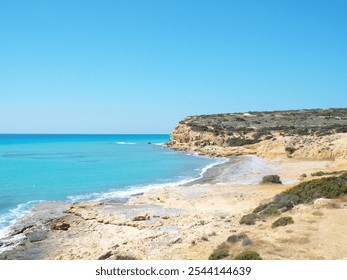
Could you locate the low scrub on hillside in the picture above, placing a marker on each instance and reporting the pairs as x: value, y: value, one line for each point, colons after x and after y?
x: 283, y: 221
x: 306, y: 192
x: 248, y: 255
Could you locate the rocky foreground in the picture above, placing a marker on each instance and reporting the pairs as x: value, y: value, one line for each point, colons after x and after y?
x: 215, y: 218
x: 310, y: 134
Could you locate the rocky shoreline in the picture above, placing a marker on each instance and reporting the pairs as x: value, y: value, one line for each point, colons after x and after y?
x: 192, y: 221
x: 186, y: 222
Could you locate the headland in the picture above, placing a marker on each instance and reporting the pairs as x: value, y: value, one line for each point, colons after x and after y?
x: 226, y: 212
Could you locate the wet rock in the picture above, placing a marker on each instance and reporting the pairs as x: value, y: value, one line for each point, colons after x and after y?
x: 40, y: 215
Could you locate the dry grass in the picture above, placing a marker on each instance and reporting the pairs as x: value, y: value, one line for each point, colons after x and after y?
x: 294, y: 240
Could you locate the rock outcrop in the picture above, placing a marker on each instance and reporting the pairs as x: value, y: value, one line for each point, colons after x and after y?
x: 311, y: 134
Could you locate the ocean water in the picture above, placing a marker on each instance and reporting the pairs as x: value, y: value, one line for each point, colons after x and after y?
x: 37, y: 168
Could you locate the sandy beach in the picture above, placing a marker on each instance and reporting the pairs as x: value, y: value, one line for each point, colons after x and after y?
x: 187, y: 222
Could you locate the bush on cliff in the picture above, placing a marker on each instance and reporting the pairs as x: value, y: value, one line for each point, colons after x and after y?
x: 219, y: 254
x: 236, y: 142
x: 290, y: 150
x: 271, y: 179
x: 283, y: 221
x: 249, y: 219
x: 330, y: 187
x: 322, y: 173
x: 237, y: 237
x: 306, y: 192
x: 248, y: 255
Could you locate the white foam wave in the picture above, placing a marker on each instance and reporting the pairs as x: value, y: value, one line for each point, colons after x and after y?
x: 207, y: 167
x: 158, y: 144
x: 8, y: 219
x: 125, y: 143
x: 133, y: 190
x: 123, y: 194
x: 13, y: 242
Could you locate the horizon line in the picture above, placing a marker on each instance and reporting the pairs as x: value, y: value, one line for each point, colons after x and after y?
x: 40, y: 133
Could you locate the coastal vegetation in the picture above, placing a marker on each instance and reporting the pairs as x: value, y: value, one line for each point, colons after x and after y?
x: 241, y: 129
x: 249, y: 219
x: 322, y: 173
x: 223, y: 250
x: 125, y: 257
x: 237, y: 237
x: 306, y: 192
x: 283, y: 221
x: 310, y: 134
x: 290, y: 150
x: 219, y: 254
x: 248, y: 255
x: 271, y: 179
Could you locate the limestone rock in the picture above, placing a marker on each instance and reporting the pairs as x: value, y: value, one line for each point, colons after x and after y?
x: 326, y: 203
x: 36, y: 236
x: 105, y: 256
x: 60, y: 226
x: 309, y: 134
x: 140, y: 218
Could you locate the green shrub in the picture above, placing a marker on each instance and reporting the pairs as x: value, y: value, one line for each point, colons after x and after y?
x: 306, y: 192
x: 236, y: 142
x: 283, y: 221
x: 219, y: 254
x: 330, y: 187
x: 124, y: 257
x: 248, y: 255
x: 290, y: 150
x: 285, y: 200
x: 236, y: 237
x: 246, y: 242
x: 223, y: 246
x: 271, y: 179
x: 270, y: 210
x: 322, y: 173
x: 319, y: 173
x: 249, y: 219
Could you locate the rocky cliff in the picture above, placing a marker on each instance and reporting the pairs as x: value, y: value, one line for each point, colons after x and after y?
x: 311, y: 134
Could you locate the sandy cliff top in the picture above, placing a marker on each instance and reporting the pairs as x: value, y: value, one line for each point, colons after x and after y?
x: 309, y: 134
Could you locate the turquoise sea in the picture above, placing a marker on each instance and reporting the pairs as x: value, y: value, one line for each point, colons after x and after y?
x: 37, y: 168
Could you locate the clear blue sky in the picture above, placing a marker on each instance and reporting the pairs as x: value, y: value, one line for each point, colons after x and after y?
x: 113, y: 66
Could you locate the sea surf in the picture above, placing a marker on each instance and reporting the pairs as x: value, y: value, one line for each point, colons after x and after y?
x: 73, y: 168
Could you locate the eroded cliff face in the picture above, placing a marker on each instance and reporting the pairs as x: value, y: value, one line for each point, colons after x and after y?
x: 308, y: 134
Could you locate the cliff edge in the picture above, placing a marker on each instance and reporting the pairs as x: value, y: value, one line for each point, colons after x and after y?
x: 305, y: 134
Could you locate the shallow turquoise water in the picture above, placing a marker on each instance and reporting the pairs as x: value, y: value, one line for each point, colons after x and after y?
x: 36, y: 168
